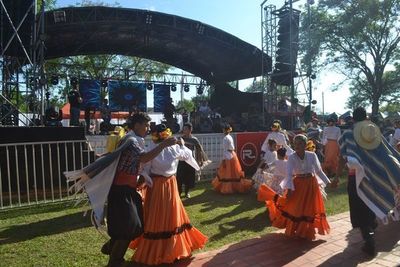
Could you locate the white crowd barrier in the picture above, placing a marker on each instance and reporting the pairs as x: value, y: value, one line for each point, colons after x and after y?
x: 212, y: 144
x: 32, y: 173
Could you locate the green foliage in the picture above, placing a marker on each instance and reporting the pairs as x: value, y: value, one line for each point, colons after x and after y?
x: 49, y: 4
x: 390, y: 107
x: 255, y: 87
x: 359, y: 38
x: 58, y: 234
x: 186, y: 104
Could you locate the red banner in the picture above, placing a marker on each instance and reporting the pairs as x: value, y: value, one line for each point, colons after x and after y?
x: 249, y: 148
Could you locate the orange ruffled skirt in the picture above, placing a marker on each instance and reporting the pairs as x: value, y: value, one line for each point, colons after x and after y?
x: 331, y: 160
x: 230, y: 177
x: 168, y: 234
x: 302, y: 214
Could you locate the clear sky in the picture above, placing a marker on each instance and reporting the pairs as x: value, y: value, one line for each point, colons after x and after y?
x: 241, y: 18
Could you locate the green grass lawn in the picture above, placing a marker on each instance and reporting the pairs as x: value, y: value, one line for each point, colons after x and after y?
x: 59, y: 235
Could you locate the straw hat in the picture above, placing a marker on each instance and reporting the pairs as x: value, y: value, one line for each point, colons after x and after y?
x: 367, y: 134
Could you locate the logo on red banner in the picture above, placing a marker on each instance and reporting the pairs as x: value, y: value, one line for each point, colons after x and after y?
x: 249, y: 154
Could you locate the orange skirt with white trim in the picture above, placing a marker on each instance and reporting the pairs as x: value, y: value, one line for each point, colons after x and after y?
x: 302, y: 214
x: 168, y: 234
x: 331, y: 159
x: 230, y: 177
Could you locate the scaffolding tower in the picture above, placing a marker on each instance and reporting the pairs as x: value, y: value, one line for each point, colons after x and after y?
x: 276, y: 98
x: 22, y: 52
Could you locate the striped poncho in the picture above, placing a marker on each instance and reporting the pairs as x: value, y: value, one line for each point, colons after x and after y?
x: 377, y: 175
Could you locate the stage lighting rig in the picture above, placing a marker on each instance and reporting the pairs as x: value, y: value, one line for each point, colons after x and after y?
x: 54, y: 79
x: 186, y: 88
x: 104, y: 83
x: 173, y: 87
x: 200, y: 89
x: 74, y: 82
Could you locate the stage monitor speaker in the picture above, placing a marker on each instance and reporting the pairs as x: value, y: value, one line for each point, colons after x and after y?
x: 16, y: 10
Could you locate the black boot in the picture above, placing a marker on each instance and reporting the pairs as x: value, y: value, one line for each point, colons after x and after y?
x: 117, y: 253
x: 107, y: 247
x: 369, y: 244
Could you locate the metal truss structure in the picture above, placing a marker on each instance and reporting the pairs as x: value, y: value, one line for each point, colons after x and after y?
x: 14, y: 64
x: 299, y: 93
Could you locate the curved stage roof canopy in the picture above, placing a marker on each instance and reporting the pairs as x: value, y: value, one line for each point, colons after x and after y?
x: 203, y: 50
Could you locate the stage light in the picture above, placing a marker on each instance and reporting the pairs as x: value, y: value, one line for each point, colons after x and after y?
x: 54, y: 79
x: 173, y: 87
x: 74, y: 81
x: 149, y: 86
x: 149, y: 18
x: 200, y: 89
x: 104, y: 83
x: 186, y: 88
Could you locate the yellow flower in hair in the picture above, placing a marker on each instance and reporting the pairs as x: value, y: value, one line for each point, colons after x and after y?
x: 160, y: 136
x: 165, y: 134
x: 310, y: 146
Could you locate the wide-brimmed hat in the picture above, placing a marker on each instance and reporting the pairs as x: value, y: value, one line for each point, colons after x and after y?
x: 367, y: 134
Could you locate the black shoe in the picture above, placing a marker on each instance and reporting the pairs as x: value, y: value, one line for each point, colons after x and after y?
x: 369, y: 247
x: 106, y: 248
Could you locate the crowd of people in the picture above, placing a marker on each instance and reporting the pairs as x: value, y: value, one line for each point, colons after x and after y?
x: 143, y: 186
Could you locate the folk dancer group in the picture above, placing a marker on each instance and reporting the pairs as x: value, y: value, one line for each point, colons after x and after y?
x: 159, y: 230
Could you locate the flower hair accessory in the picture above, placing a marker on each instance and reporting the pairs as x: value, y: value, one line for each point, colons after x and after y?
x: 161, y: 133
x: 310, y: 146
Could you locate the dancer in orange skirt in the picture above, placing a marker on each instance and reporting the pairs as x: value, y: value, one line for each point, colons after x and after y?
x: 230, y: 177
x: 330, y: 138
x: 168, y: 233
x: 301, y: 211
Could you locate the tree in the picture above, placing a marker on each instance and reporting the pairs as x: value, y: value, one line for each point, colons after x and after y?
x: 359, y: 38
x: 255, y: 87
x: 185, y: 104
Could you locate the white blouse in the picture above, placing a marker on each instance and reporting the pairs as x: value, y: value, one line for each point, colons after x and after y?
x: 280, y: 168
x: 310, y: 164
x: 270, y: 157
x: 280, y: 139
x: 227, y: 144
x: 166, y: 163
x: 330, y: 132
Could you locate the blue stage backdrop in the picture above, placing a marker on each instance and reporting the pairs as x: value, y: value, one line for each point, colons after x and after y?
x: 162, y: 95
x: 125, y: 94
x: 90, y: 92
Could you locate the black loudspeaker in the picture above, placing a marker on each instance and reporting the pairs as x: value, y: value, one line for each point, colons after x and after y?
x: 16, y: 10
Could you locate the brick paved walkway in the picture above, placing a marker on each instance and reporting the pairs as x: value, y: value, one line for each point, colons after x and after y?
x: 340, y: 248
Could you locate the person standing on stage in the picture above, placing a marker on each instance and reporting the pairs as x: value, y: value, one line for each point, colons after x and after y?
x: 186, y: 174
x: 75, y: 100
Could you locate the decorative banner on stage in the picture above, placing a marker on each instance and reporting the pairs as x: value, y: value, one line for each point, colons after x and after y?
x: 124, y: 95
x: 90, y: 93
x: 249, y: 149
x: 162, y: 96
